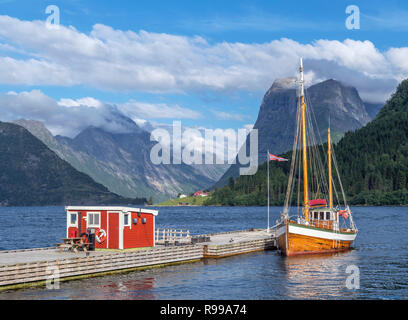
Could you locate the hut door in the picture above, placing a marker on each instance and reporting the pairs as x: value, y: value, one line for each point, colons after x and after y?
x: 113, y: 230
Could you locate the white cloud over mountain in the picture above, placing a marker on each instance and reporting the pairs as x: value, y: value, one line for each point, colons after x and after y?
x: 136, y: 110
x: 117, y: 60
x: 68, y: 116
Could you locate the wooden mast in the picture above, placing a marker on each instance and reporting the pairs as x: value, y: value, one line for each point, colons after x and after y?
x: 305, y: 180
x: 330, y: 175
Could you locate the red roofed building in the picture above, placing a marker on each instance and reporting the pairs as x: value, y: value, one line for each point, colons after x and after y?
x: 200, y: 193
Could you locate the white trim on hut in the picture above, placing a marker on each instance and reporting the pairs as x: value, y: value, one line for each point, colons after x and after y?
x: 123, y: 209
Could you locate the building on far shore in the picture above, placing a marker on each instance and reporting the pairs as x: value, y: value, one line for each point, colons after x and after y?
x: 200, y: 193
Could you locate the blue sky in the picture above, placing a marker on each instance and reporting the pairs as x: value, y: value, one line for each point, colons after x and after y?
x: 235, y: 21
x: 224, y: 91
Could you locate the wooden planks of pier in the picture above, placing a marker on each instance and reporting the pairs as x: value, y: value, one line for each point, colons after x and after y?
x: 97, y: 262
x: 234, y: 243
x: 19, y: 268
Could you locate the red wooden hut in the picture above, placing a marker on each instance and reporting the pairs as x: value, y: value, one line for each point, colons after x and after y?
x: 114, y: 227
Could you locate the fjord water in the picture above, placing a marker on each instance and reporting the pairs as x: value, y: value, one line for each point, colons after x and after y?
x: 380, y: 252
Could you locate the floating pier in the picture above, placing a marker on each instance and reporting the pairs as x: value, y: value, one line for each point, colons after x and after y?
x: 227, y: 244
x: 23, y: 268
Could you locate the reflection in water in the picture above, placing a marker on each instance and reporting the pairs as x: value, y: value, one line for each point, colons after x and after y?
x: 310, y: 275
x: 133, y: 289
x: 262, y: 275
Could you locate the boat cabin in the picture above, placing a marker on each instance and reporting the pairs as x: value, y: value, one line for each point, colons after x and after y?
x: 324, y: 218
x: 321, y: 216
x: 113, y: 227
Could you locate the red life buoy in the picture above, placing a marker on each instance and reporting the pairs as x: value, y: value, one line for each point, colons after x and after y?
x: 100, y: 236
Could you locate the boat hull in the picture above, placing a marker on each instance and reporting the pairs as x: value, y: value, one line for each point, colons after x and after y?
x: 295, y: 239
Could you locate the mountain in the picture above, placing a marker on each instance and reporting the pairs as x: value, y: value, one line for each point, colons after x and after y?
x: 102, y: 172
x: 277, y: 116
x: 129, y: 153
x: 373, y: 108
x: 372, y: 161
x: 121, y: 161
x: 32, y: 174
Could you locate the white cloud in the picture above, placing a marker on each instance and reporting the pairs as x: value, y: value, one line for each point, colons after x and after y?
x: 399, y: 56
x: 224, y: 150
x: 68, y: 116
x: 137, y: 110
x: 87, y: 101
x: 117, y: 60
x: 60, y: 119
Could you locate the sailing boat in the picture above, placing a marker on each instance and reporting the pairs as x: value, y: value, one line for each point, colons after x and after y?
x: 319, y: 227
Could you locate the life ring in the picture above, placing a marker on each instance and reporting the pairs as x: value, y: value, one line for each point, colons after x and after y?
x: 100, y: 236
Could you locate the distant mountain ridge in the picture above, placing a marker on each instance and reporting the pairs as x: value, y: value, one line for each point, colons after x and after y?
x: 277, y: 115
x: 121, y: 161
x: 103, y: 173
x: 31, y: 174
x: 118, y: 155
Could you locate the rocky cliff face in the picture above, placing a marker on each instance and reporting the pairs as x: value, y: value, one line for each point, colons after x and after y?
x: 277, y: 116
x: 101, y: 172
x: 130, y: 154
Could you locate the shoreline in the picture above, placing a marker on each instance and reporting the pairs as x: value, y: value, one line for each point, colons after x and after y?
x: 354, y: 205
x: 196, y: 205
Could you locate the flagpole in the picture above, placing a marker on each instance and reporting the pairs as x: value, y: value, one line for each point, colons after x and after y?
x: 267, y: 156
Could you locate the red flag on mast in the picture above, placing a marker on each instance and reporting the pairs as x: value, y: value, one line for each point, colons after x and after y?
x: 276, y: 158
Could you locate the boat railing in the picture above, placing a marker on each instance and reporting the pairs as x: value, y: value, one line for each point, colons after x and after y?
x: 322, y: 224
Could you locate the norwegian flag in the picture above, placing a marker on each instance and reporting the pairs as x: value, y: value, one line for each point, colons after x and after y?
x: 276, y: 158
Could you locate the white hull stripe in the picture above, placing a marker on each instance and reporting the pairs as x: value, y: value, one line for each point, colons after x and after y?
x: 315, y: 233
x: 321, y: 234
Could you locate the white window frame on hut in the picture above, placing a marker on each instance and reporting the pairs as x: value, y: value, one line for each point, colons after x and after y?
x: 93, y: 225
x: 70, y: 224
x: 129, y: 216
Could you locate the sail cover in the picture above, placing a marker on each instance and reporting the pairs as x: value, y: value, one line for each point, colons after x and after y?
x: 317, y: 202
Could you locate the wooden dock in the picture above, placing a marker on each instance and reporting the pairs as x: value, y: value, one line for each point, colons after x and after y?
x: 22, y: 268
x: 238, y: 242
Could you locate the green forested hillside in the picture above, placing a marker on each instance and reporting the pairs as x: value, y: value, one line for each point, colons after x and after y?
x: 373, y: 164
